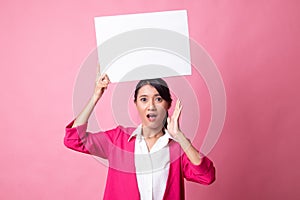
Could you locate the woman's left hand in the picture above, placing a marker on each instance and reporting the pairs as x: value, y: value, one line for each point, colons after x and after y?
x: 173, y: 128
x: 173, y: 122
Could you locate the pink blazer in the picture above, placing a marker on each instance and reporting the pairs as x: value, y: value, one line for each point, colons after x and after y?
x: 121, y: 179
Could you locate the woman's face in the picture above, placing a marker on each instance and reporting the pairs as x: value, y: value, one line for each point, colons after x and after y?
x: 152, y: 107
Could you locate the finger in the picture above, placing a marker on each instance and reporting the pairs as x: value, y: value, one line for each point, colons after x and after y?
x: 180, y: 108
x: 177, y: 110
x: 168, y: 120
x: 176, y: 115
x: 105, y: 78
x: 99, y: 78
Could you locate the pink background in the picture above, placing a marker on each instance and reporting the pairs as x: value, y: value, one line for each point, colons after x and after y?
x: 255, y: 44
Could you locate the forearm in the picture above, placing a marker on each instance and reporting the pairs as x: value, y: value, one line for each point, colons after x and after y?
x: 191, y: 152
x: 101, y: 85
x: 85, y: 114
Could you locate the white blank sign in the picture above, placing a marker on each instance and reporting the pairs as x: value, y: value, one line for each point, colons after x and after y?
x: 143, y: 46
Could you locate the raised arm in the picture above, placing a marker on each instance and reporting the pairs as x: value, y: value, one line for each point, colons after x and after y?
x: 196, y: 167
x: 173, y: 127
x: 102, y: 82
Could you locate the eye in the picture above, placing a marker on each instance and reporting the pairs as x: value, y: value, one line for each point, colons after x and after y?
x: 159, y: 99
x: 143, y: 99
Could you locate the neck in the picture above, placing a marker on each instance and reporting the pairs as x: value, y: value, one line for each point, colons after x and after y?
x: 152, y: 133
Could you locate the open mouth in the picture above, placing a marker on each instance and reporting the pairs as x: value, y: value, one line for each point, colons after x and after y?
x: 151, y: 117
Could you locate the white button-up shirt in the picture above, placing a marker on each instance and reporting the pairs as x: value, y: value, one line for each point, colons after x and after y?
x: 152, y: 168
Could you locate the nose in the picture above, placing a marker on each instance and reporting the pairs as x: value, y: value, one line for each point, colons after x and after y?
x: 151, y: 105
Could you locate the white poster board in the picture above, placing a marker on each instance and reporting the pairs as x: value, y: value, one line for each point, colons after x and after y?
x: 142, y: 46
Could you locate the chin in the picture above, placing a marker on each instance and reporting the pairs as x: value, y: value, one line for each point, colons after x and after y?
x: 153, y: 125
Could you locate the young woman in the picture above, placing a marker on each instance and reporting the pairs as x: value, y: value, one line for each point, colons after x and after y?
x: 146, y: 162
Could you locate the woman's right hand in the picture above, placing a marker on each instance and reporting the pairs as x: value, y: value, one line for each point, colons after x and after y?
x: 102, y: 82
x: 101, y: 85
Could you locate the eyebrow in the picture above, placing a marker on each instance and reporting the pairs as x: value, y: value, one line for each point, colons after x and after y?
x: 144, y: 95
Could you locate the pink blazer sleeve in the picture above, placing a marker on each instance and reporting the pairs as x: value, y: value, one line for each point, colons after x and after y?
x: 78, y: 139
x: 203, y: 173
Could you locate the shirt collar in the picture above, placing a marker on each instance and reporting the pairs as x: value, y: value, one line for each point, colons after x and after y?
x: 138, y: 134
